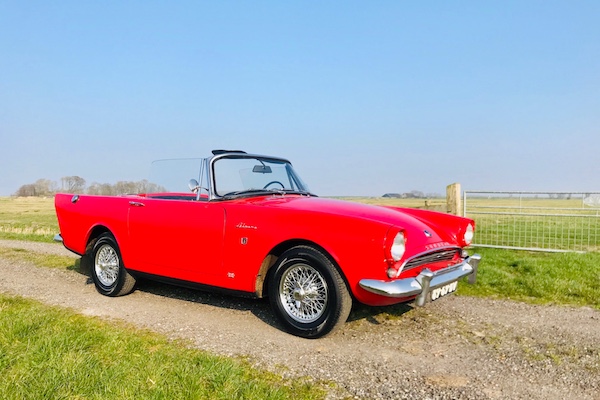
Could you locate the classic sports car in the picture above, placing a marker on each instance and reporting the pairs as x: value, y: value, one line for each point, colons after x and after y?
x: 247, y: 224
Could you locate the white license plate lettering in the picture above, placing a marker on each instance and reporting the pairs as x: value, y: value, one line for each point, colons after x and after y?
x: 444, y: 290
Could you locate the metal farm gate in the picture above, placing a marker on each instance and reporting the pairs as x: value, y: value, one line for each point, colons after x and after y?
x: 541, y: 221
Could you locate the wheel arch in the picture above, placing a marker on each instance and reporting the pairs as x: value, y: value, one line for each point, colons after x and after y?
x: 94, y: 233
x: 262, y: 280
x: 86, y: 263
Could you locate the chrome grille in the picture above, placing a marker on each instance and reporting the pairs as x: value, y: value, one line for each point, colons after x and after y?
x: 430, y: 258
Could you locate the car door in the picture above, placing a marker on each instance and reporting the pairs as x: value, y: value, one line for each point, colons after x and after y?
x: 180, y: 239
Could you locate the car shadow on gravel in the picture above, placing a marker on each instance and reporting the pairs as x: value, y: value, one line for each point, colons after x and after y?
x: 258, y: 307
x: 370, y: 313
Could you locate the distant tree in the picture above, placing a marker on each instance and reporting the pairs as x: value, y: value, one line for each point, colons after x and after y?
x: 76, y: 184
x: 72, y: 184
x: 26, y: 190
x: 144, y: 186
x: 46, y: 187
x: 40, y: 188
x: 125, y: 187
x: 103, y: 189
x: 417, y: 194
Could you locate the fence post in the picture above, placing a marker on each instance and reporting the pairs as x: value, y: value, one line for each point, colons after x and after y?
x: 453, y: 199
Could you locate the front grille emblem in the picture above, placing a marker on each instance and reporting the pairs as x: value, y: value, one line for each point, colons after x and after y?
x: 427, y: 233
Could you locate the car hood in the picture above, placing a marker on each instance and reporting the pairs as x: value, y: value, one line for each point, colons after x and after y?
x: 379, y: 214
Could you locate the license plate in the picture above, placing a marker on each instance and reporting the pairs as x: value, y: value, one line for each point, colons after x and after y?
x: 444, y: 290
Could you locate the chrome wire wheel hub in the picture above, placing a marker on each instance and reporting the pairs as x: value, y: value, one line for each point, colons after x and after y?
x: 106, y: 265
x: 303, y: 293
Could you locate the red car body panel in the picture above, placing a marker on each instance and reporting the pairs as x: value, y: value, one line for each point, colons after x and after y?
x: 225, y: 243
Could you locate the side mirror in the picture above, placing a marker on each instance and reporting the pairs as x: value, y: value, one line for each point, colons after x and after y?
x: 193, y: 185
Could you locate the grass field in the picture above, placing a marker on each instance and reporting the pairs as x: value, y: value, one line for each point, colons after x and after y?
x: 53, y: 353
x: 28, y: 218
x: 396, y: 202
x: 536, y: 277
x: 529, y: 222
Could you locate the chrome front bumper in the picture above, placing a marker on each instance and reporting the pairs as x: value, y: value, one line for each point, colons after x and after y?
x: 58, y: 238
x: 422, y: 285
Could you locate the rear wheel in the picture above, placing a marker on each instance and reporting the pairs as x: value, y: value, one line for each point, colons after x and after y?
x: 308, y: 294
x: 109, y: 275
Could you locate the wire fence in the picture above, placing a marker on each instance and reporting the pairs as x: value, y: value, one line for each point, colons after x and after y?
x: 543, y: 221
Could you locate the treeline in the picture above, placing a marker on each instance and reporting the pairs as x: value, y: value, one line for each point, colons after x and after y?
x: 415, y: 194
x: 76, y: 184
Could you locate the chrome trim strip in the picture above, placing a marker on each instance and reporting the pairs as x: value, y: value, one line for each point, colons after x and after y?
x: 58, y: 238
x: 425, y: 282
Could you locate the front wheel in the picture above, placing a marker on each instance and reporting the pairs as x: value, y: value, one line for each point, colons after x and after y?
x: 108, y: 273
x: 308, y: 294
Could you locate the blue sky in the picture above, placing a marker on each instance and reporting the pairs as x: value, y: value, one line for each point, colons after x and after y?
x: 364, y: 97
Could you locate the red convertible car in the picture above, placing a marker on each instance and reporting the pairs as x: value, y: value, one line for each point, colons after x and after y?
x: 247, y: 224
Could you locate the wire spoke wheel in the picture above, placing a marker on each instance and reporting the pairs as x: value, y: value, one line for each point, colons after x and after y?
x: 303, y: 293
x: 307, y: 293
x: 107, y: 265
x: 109, y: 275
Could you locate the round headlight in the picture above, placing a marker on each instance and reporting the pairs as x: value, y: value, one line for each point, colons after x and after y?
x: 398, y: 246
x: 468, y: 238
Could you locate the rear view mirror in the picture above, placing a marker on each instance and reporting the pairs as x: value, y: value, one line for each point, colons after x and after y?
x: 193, y: 185
x: 262, y: 169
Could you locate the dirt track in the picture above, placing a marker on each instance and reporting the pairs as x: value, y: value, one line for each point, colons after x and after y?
x: 456, y: 348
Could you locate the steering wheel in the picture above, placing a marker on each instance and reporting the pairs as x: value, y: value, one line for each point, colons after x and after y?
x: 274, y: 182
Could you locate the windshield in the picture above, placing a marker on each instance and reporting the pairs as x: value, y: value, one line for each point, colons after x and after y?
x: 243, y: 175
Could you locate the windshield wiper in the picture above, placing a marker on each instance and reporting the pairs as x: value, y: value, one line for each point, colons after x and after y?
x: 294, y: 191
x: 245, y: 192
x: 248, y: 192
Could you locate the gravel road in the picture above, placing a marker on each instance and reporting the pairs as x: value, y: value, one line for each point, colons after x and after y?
x: 455, y: 348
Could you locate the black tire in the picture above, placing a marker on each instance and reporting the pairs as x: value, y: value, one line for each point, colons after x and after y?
x: 307, y: 293
x: 86, y: 263
x: 108, y: 273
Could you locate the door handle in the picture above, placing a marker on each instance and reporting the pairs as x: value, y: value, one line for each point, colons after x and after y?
x: 136, y: 204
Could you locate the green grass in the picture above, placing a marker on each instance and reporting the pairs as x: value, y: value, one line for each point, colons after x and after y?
x: 575, y: 233
x: 533, y: 277
x: 40, y: 259
x: 561, y: 224
x: 28, y: 218
x: 395, y: 202
x: 52, y: 353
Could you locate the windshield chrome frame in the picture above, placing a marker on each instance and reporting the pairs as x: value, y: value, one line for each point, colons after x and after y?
x: 209, y: 163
